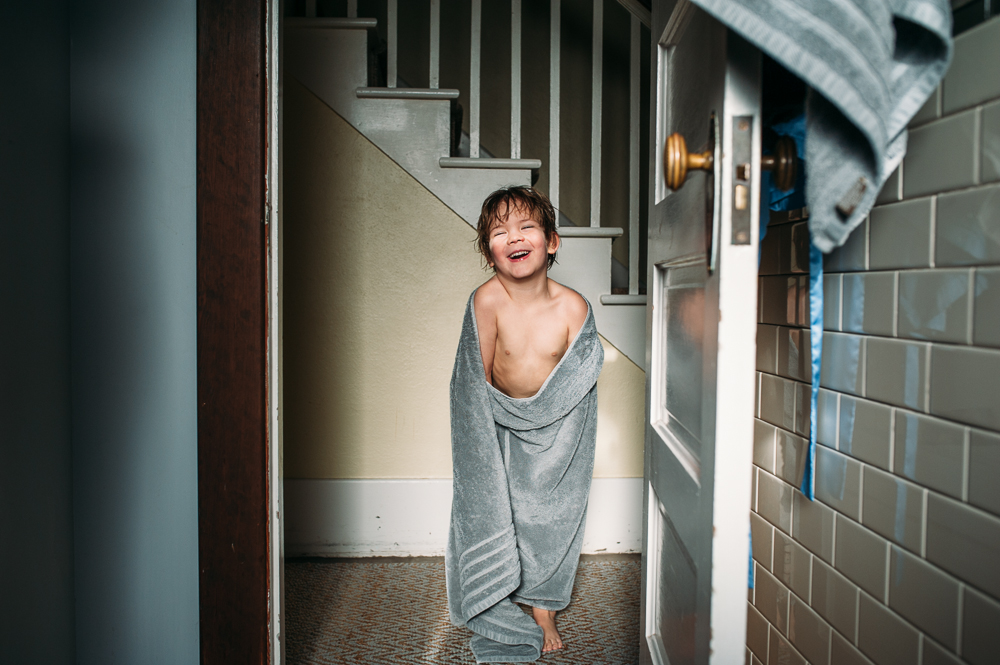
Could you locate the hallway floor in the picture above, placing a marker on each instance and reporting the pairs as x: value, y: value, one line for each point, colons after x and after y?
x: 380, y: 611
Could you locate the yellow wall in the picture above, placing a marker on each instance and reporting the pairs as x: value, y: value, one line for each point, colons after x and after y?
x: 376, y: 275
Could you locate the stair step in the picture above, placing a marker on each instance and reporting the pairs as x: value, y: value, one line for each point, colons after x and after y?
x: 332, y: 23
x: 612, y: 299
x: 406, y: 93
x: 489, y: 163
x: 590, y: 231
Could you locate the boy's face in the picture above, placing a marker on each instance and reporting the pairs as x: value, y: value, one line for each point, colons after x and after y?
x: 518, y: 248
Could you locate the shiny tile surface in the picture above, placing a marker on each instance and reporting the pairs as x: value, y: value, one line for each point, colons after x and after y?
x: 763, y: 444
x: 901, y: 235
x: 868, y: 303
x: 966, y: 227
x: 965, y: 542
x: 884, y: 636
x: 861, y: 556
x: 812, y: 526
x: 931, y: 452
x: 934, y: 305
x: 792, y: 565
x: 897, y: 372
x: 925, y: 596
x: 838, y: 481
x: 984, y: 470
x: 808, y: 633
x: 774, y: 501
x: 832, y: 284
x: 835, y: 598
x: 777, y: 401
x: 965, y: 84
x: 767, y: 348
x: 986, y: 308
x: 762, y: 538
x: 844, y: 653
x: 794, y: 354
x: 989, y: 149
x: 893, y: 508
x: 852, y: 255
x: 980, y: 636
x: 781, y: 652
x: 965, y: 383
x: 757, y: 632
x: 939, y: 155
x: 771, y: 598
x: 790, y: 457
x: 865, y: 431
x: 842, y: 366
x: 827, y: 414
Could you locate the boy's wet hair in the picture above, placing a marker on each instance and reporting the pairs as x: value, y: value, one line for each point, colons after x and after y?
x: 505, y: 200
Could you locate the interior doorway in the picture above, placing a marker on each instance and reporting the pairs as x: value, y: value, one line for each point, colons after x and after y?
x: 369, y: 337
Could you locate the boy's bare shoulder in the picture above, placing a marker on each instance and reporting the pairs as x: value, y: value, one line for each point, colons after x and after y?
x: 489, y: 297
x: 490, y: 293
x: 571, y: 303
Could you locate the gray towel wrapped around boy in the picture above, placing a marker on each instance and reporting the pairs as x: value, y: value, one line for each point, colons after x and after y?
x: 522, y: 472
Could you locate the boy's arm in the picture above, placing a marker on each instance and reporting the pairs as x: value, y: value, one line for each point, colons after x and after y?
x: 486, y: 322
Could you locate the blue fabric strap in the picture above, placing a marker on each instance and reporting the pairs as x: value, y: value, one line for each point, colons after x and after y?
x: 816, y: 344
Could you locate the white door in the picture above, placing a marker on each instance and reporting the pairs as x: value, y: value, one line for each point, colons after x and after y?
x: 700, y: 352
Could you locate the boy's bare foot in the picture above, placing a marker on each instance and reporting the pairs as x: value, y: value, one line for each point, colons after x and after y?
x: 546, y: 620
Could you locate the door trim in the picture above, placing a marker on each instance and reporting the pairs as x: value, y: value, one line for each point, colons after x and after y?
x: 234, y: 485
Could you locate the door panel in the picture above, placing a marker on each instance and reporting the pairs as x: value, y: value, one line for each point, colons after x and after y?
x: 701, y: 326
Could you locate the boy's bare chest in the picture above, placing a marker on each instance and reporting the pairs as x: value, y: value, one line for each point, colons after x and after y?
x: 539, y: 338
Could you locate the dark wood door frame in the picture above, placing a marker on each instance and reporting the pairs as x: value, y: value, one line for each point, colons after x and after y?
x: 232, y: 332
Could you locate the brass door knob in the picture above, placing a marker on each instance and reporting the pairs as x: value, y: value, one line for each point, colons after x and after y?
x: 783, y: 164
x: 677, y: 161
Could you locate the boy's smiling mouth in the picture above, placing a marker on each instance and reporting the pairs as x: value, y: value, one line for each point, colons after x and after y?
x: 518, y: 255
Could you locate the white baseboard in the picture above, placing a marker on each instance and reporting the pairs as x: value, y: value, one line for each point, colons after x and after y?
x: 410, y: 517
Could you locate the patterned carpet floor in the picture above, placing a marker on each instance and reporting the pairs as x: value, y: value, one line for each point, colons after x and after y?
x: 370, y: 611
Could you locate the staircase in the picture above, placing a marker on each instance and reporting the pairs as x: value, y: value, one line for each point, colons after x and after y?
x: 332, y: 57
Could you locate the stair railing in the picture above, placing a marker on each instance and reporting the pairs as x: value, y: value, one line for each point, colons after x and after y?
x: 639, y: 16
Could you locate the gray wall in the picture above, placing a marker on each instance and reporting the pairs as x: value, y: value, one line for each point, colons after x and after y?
x: 896, y: 561
x: 36, y: 549
x: 133, y: 304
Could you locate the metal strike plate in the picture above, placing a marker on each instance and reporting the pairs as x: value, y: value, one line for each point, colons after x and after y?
x: 742, y: 145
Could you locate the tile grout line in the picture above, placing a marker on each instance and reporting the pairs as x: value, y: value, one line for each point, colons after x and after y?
x: 895, y: 303
x: 933, y: 239
x: 960, y: 618
x: 899, y: 181
x: 892, y: 439
x: 928, y: 357
x: 970, y: 317
x: 977, y: 131
x: 923, y: 524
x: 966, y: 462
x: 888, y: 572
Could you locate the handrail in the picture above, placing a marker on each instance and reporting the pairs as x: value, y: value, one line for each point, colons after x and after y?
x: 636, y: 9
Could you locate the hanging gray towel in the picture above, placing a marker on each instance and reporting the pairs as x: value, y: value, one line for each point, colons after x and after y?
x: 870, y: 65
x: 522, y: 471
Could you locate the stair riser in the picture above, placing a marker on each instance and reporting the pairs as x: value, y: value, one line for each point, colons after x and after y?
x: 333, y: 64
x: 584, y: 264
